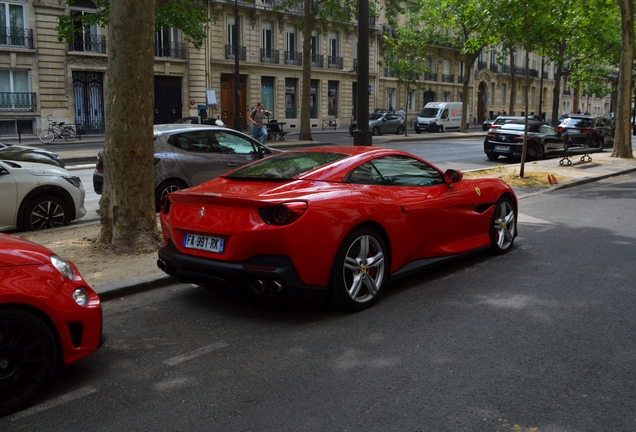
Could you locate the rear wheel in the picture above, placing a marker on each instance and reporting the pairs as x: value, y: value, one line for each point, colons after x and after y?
x: 46, y: 136
x: 492, y: 156
x: 359, y: 270
x: 503, y: 226
x: 376, y: 131
x: 540, y: 153
x: 69, y: 134
x: 45, y: 211
x: 165, y: 188
x: 28, y: 358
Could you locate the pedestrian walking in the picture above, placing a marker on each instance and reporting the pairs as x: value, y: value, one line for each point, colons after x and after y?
x: 256, y: 117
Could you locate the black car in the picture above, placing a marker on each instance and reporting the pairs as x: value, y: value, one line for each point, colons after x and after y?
x: 29, y: 154
x: 588, y: 130
x: 489, y: 121
x: 507, y: 140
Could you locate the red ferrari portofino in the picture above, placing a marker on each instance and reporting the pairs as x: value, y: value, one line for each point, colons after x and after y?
x: 331, y: 221
x: 49, y: 318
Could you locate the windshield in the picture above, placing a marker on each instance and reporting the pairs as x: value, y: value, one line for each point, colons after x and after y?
x: 429, y: 112
x: 375, y: 116
x: 286, y: 165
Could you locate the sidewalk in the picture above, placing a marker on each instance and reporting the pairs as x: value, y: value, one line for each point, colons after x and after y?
x: 602, y: 166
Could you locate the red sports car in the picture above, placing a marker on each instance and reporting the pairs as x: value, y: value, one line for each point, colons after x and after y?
x: 49, y: 318
x: 331, y: 221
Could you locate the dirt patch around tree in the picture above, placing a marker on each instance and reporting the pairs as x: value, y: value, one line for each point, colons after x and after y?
x: 533, y: 176
x: 97, y: 265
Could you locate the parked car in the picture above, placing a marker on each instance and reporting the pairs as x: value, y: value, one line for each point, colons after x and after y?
x: 195, y: 120
x: 29, y: 154
x: 38, y: 196
x: 502, y: 120
x: 507, y: 140
x: 49, y: 318
x: 489, y: 121
x: 188, y: 154
x: 382, y: 122
x: 588, y: 130
x: 330, y: 221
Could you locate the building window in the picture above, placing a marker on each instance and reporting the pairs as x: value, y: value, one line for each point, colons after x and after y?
x: 267, y: 93
x: 230, y: 31
x: 410, y: 104
x: 332, y: 98
x: 390, y: 98
x: 290, y: 97
x: 167, y: 44
x: 12, y: 31
x: 447, y: 97
x: 15, y: 91
x: 313, y: 99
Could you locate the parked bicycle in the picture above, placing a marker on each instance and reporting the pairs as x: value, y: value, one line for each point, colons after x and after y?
x: 57, y: 130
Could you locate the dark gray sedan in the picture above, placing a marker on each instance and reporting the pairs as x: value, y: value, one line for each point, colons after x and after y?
x: 187, y: 155
x: 383, y: 122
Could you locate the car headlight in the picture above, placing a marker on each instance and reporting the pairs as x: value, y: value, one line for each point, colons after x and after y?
x: 75, y: 181
x: 80, y: 295
x: 63, y: 267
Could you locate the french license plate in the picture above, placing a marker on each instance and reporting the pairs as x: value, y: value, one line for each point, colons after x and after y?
x: 504, y: 148
x: 206, y: 243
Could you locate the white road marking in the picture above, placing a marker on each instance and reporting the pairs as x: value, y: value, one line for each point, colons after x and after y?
x: 194, y: 354
x: 61, y: 400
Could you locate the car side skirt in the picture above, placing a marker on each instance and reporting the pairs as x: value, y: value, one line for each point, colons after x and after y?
x: 420, y: 264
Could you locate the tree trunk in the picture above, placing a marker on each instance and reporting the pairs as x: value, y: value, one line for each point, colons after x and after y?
x: 513, y: 84
x: 623, y: 139
x: 127, y: 205
x: 305, y: 121
x: 556, y: 91
x: 470, y: 61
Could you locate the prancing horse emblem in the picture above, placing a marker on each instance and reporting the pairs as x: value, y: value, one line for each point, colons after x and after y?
x: 202, y: 212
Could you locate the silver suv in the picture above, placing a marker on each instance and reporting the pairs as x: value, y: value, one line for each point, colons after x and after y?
x: 190, y: 154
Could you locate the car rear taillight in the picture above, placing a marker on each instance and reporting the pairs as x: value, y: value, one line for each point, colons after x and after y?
x: 288, y: 212
x: 490, y: 135
x: 560, y: 129
x: 164, y: 204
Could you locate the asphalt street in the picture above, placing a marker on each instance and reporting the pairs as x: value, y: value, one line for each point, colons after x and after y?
x: 539, y: 339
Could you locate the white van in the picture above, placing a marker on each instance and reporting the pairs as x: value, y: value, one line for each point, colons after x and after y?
x: 439, y: 116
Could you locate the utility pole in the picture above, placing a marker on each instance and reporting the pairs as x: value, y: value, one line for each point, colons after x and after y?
x: 238, y: 122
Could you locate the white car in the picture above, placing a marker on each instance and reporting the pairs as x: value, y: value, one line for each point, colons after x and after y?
x: 37, y: 196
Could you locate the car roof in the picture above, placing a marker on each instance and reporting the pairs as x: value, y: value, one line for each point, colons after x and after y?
x: 162, y: 129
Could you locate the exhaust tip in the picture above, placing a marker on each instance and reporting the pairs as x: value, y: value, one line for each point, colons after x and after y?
x: 276, y: 287
x: 161, y: 264
x: 259, y: 286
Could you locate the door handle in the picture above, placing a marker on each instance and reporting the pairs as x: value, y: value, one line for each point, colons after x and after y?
x: 232, y: 164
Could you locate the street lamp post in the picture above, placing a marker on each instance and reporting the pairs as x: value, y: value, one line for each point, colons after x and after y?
x: 238, y: 123
x: 541, y: 90
x: 362, y: 136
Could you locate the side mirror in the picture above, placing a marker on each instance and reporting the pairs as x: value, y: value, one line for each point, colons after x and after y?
x: 453, y: 176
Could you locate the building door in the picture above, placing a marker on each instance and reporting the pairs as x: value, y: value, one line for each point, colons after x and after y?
x: 228, y: 109
x: 168, y: 99
x: 88, y: 97
x: 482, y: 100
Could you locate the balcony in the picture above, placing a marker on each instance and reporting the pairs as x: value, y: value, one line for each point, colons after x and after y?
x: 481, y: 65
x: 269, y: 56
x: 88, y: 43
x: 460, y: 79
x: 229, y: 52
x: 318, y: 60
x: 335, y: 62
x: 16, y: 37
x: 293, y: 58
x: 175, y: 50
x: 17, y: 101
x: 505, y: 69
x: 448, y: 78
x: 494, y: 67
x: 534, y: 73
x: 567, y: 92
x: 430, y: 77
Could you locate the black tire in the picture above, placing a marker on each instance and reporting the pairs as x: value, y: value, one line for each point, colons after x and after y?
x: 376, y: 131
x: 46, y: 136
x: 400, y: 130
x: 440, y: 128
x: 45, y: 211
x: 68, y: 134
x: 503, y: 226
x: 28, y: 358
x: 540, y: 153
x: 166, y: 187
x: 417, y: 131
x: 492, y: 156
x: 367, y: 255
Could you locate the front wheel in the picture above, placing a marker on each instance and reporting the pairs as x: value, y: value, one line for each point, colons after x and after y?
x: 376, y: 131
x: 46, y: 136
x: 359, y: 270
x: 440, y: 128
x: 45, y: 211
x: 400, y: 130
x: 28, y: 358
x: 540, y: 153
x: 503, y: 226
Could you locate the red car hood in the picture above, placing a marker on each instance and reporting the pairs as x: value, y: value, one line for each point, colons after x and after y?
x: 16, y: 251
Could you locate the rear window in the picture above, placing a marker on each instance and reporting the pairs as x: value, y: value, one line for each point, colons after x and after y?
x: 286, y: 165
x: 577, y: 122
x: 513, y: 126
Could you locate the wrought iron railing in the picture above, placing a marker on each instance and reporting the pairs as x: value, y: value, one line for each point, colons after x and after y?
x: 318, y: 60
x: 17, y: 101
x: 88, y: 43
x: 171, y: 50
x: 430, y: 77
x: 460, y: 79
x: 494, y: 67
x: 534, y: 73
x: 269, y: 56
x: 229, y: 52
x: 389, y: 73
x: 567, y: 92
x: 294, y: 58
x: 448, y: 78
x: 335, y: 62
x: 16, y: 37
x: 482, y: 65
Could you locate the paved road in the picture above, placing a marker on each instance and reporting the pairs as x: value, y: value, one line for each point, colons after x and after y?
x: 538, y: 339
